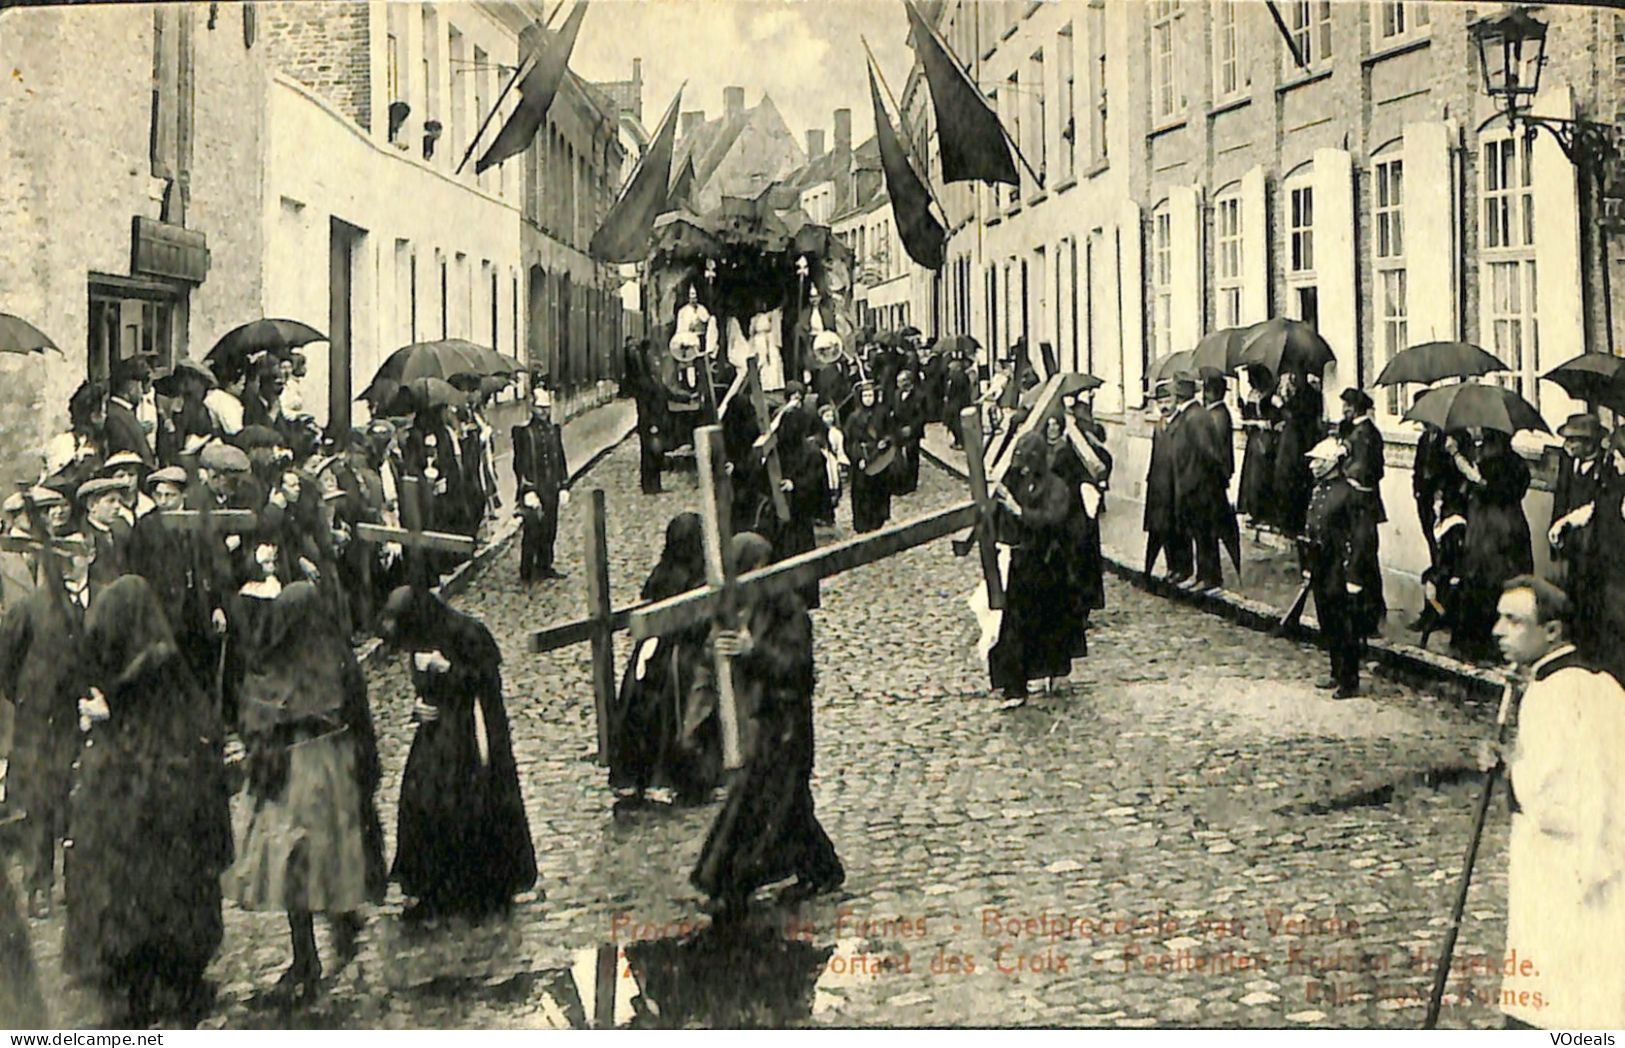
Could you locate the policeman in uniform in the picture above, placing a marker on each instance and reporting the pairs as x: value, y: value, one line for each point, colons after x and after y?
x: 542, y: 483
x: 1336, y: 552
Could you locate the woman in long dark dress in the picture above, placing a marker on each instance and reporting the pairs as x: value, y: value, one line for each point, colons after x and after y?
x: 801, y: 464
x: 1034, y: 642
x: 306, y: 847
x: 150, y: 815
x: 868, y: 440
x: 462, y: 845
x: 1301, y: 425
x: 654, y: 743
x: 1260, y: 415
x: 767, y: 830
x: 1497, y: 545
x: 1087, y: 583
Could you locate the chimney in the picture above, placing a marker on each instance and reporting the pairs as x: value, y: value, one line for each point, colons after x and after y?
x: 843, y: 132
x: 733, y: 101
x: 815, y: 144
x: 637, y: 72
x: 690, y: 121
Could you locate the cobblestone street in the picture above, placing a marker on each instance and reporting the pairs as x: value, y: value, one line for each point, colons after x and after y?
x: 1193, y: 835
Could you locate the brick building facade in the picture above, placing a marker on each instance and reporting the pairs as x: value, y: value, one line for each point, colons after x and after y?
x: 129, y: 189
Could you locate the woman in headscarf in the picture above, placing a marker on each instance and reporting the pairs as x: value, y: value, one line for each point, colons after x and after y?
x: 767, y: 830
x: 662, y: 736
x: 1260, y: 416
x: 1035, y: 643
x: 306, y: 848
x: 868, y: 434
x: 462, y: 845
x: 150, y: 815
x: 1497, y: 545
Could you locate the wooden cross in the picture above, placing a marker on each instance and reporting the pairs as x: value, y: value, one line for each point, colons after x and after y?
x: 227, y: 521
x: 717, y: 601
x: 768, y: 442
x: 64, y: 545
x: 413, y: 537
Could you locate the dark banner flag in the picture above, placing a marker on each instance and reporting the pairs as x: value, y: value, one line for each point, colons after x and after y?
x: 624, y: 236
x: 682, y: 190
x: 536, y: 88
x: 969, y: 137
x: 922, y: 235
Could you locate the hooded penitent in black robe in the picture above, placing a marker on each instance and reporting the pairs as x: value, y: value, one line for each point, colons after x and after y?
x: 1034, y: 642
x: 767, y: 830
x: 463, y: 841
x: 655, y: 742
x: 1497, y: 545
x: 150, y: 812
x: 801, y: 463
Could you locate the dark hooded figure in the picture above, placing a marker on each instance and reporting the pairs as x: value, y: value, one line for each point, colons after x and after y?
x: 1301, y: 424
x: 306, y: 847
x: 767, y: 830
x: 151, y: 815
x: 747, y: 470
x: 869, y: 446
x: 1261, y: 418
x: 1034, y: 642
x: 462, y: 845
x: 656, y: 742
x: 801, y: 465
x: 1497, y: 546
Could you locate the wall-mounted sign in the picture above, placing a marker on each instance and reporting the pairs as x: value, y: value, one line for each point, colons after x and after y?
x: 162, y: 250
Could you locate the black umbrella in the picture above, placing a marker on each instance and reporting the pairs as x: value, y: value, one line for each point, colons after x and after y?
x: 1468, y: 404
x: 19, y: 336
x: 1432, y: 362
x: 443, y: 359
x: 962, y: 344
x: 1281, y: 344
x: 275, y: 336
x: 1163, y: 369
x: 1222, y: 350
x: 1596, y: 378
x: 422, y: 393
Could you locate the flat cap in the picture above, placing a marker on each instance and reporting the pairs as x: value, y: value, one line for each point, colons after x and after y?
x: 168, y: 475
x: 120, y: 459
x: 98, y: 486
x: 223, y: 458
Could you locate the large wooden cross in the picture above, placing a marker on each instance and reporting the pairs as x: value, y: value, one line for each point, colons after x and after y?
x: 768, y: 443
x: 719, y: 599
x: 412, y: 536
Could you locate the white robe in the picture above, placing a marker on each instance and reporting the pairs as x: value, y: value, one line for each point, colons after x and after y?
x: 764, y: 341
x: 1566, y: 855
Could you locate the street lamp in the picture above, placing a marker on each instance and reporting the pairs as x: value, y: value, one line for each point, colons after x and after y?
x: 1511, y: 54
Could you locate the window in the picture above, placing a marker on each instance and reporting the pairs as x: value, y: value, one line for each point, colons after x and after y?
x: 1399, y: 20
x: 392, y: 68
x: 1387, y: 209
x: 1013, y: 109
x: 1166, y: 98
x: 1226, y: 57
x: 477, y: 71
x: 128, y: 318
x: 1067, y: 118
x: 1097, y: 81
x: 1162, y: 279
x: 1303, y: 295
x: 457, y: 129
x: 1507, y: 252
x: 1227, y: 260
x: 1040, y: 111
x: 432, y: 44
x: 1078, y: 363
x: 1311, y: 25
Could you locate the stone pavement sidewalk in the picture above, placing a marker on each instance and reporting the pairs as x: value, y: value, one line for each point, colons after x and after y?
x: 1268, y: 582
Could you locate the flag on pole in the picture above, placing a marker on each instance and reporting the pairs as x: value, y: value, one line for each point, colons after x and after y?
x: 922, y: 235
x: 970, y: 139
x: 549, y: 60
x: 682, y: 188
x: 624, y: 236
x: 1286, y: 34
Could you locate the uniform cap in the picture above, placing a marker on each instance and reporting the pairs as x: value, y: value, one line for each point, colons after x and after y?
x: 1327, y: 450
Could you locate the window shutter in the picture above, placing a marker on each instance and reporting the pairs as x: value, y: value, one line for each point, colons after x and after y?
x: 1131, y: 293
x: 1334, y: 268
x: 1559, y: 276
x: 1184, y: 204
x: 1255, y: 252
x: 1430, y: 223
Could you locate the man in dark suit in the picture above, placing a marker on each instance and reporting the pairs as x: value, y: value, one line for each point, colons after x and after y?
x: 123, y: 429
x: 1177, y: 434
x: 1581, y: 474
x: 542, y: 480
x: 908, y: 422
x: 1203, y: 459
x: 1213, y: 392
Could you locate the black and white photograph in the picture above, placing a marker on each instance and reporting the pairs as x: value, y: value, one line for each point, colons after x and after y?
x: 812, y: 514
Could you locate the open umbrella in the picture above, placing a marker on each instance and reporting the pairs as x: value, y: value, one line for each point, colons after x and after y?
x: 1281, y: 344
x: 168, y: 383
x: 19, y: 336
x: 961, y: 344
x: 274, y: 335
x: 1467, y: 404
x: 1596, y: 378
x: 1165, y: 368
x: 1432, y: 362
x: 419, y: 394
x: 443, y: 359
x: 1222, y: 350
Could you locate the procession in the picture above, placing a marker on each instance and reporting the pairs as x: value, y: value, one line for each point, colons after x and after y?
x: 788, y: 602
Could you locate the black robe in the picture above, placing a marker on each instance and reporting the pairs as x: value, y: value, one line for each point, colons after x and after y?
x: 1301, y: 428
x: 463, y: 839
x: 767, y: 830
x: 1256, y: 496
x: 1034, y: 641
x: 865, y: 431
x: 908, y: 422
x: 1496, y: 547
x: 150, y: 813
